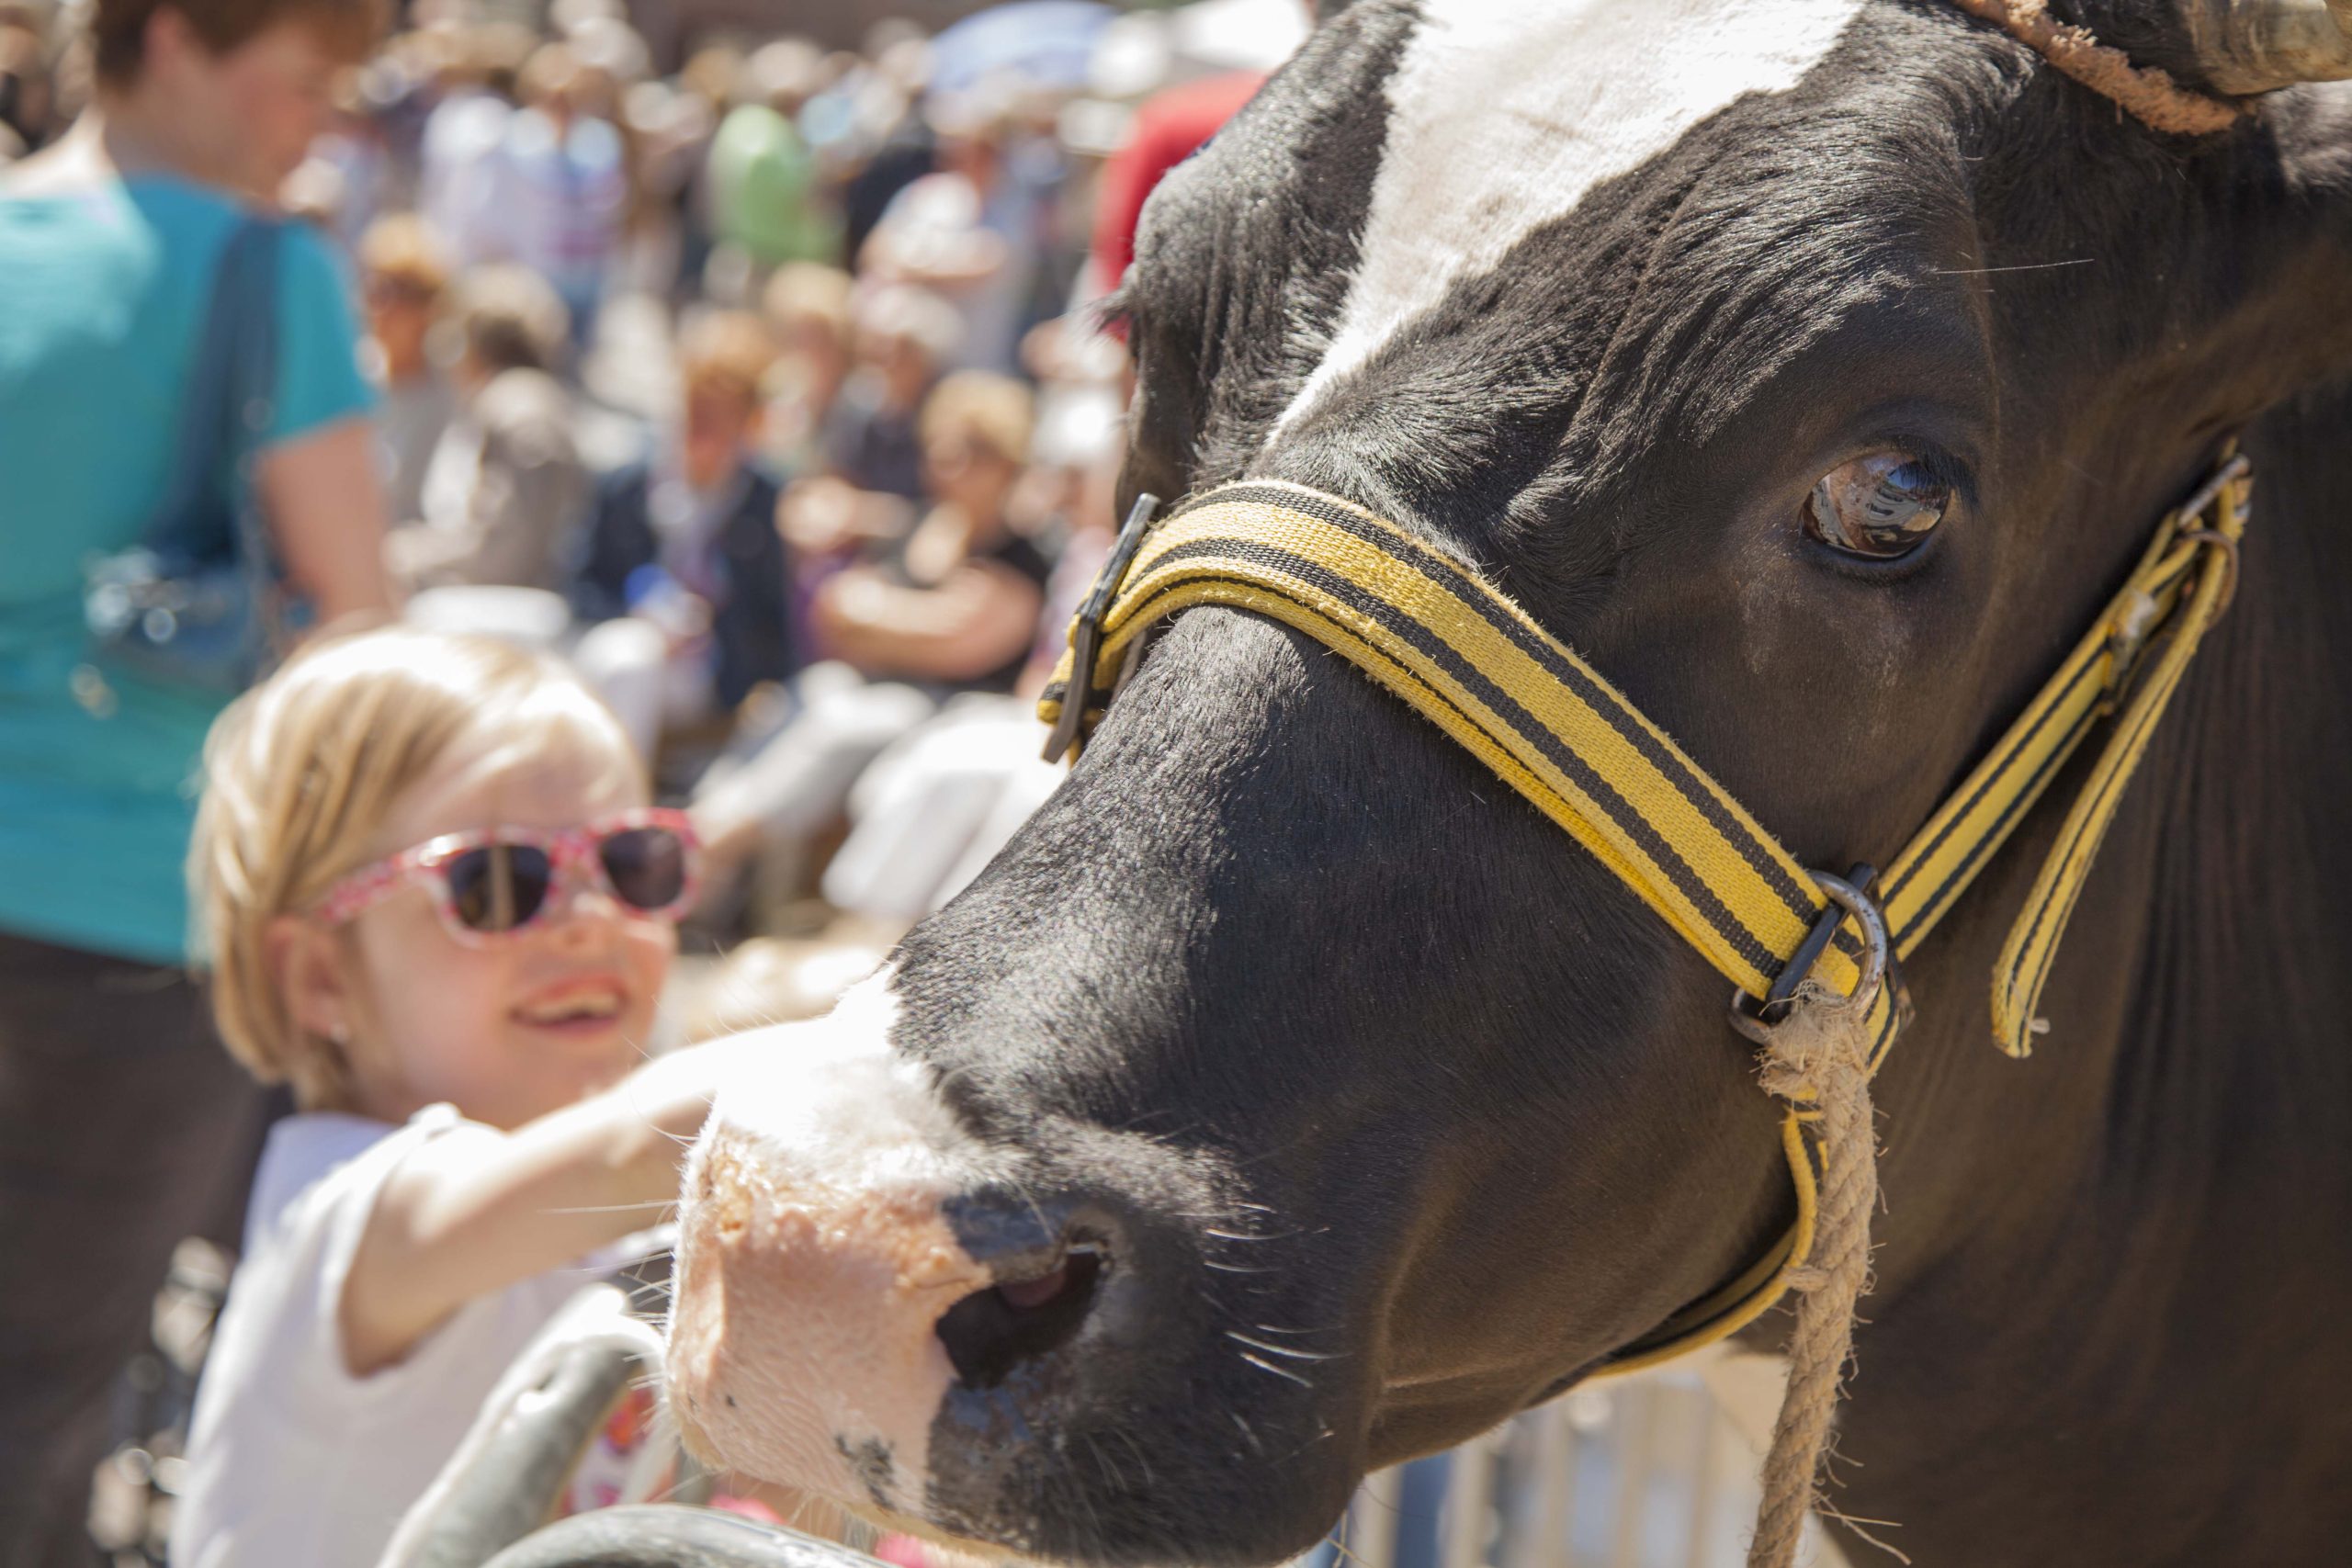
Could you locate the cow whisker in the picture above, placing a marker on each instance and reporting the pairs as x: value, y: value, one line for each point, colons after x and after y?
x: 1134, y: 1123
x: 1282, y: 1350
x: 2020, y: 267
x: 1243, y: 1235
x: 1282, y: 1372
x: 1142, y: 1459
x: 1322, y: 1435
x: 1094, y: 1451
x: 1085, y: 1501
x: 1340, y: 1546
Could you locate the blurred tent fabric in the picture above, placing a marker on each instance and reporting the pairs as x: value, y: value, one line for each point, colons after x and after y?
x: 1238, y: 35
x: 1144, y: 50
x: 1047, y: 43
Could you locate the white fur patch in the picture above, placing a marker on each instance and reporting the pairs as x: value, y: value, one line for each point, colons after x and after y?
x: 1503, y: 114
x: 833, y: 1105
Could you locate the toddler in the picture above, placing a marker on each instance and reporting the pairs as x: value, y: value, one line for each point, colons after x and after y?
x: 440, y: 906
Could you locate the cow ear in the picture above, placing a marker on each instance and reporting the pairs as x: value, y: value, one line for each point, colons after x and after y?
x: 2243, y: 47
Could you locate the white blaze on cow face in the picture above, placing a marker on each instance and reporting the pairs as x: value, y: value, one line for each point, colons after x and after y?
x: 814, y: 1260
x: 1503, y: 114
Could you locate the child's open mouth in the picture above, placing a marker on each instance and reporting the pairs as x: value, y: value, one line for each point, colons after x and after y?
x: 575, y: 1007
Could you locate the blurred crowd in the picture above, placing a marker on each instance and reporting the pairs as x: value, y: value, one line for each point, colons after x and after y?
x: 767, y: 388
x: 756, y: 386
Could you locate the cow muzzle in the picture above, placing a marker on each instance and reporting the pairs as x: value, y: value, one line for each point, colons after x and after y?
x: 857, y: 1275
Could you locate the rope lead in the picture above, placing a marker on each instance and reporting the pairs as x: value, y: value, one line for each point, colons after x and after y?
x: 1819, y: 1062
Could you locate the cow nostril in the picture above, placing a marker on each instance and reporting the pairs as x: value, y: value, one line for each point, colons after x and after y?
x: 991, y: 1332
x: 1025, y: 1295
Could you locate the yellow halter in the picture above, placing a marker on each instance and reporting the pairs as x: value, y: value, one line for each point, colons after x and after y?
x: 1470, y: 661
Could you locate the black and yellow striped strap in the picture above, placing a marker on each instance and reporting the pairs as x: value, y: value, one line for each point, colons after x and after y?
x: 1467, y: 657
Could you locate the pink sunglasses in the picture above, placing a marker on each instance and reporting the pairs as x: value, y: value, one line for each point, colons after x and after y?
x: 498, y: 881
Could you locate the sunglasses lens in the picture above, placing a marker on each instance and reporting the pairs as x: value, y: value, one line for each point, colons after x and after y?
x: 498, y: 887
x: 647, y: 867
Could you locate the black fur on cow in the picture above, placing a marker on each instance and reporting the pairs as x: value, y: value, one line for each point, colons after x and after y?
x: 1399, y: 1115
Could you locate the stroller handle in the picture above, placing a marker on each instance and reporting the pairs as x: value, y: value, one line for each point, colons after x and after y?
x: 657, y: 1536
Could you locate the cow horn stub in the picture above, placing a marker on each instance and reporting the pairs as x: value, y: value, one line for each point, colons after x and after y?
x: 2244, y: 47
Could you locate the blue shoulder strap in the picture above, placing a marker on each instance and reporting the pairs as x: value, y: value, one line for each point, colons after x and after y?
x: 227, y: 412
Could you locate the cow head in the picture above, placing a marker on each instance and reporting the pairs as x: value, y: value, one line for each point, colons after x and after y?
x: 1289, y: 1097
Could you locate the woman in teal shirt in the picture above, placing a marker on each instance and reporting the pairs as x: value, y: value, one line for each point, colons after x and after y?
x: 122, y: 1120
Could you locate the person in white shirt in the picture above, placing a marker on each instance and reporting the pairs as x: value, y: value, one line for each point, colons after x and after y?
x: 970, y: 231
x: 437, y: 905
x: 563, y: 186
x: 460, y: 179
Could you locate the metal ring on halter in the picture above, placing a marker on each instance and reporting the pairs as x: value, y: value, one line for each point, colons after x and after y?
x: 1757, y: 1021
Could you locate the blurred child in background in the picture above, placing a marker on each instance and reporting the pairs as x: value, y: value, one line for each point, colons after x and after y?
x: 404, y: 281
x: 505, y: 482
x: 686, y: 547
x: 808, y: 307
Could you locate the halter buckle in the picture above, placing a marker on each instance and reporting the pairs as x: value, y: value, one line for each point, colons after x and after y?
x: 1086, y: 628
x: 1848, y: 895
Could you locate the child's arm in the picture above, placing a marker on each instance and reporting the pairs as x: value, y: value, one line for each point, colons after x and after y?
x: 476, y: 1210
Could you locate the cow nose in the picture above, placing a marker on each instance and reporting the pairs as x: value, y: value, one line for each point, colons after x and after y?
x: 858, y: 1275
x: 1047, y: 1258
x: 801, y: 1342
x: 824, y: 1319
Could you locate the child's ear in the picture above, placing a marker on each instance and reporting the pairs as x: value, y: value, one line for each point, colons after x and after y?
x: 308, y: 966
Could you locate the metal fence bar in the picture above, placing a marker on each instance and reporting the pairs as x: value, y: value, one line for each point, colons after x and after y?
x: 1636, y: 1431
x: 1369, y: 1533
x: 1553, y: 1461
x: 1469, y: 1496
x: 1649, y: 1472
x: 1707, y: 1480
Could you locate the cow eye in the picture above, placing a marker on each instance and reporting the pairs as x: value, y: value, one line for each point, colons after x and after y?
x: 1879, y: 507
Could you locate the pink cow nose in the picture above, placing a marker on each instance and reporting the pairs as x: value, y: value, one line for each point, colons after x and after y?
x: 801, y: 1344
x: 822, y: 1318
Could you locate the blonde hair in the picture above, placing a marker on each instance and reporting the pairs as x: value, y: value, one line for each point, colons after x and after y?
x: 512, y: 318
x: 301, y: 773
x: 809, y: 292
x: 983, y: 407
x: 406, y: 248
x: 727, y: 351
x: 553, y: 72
